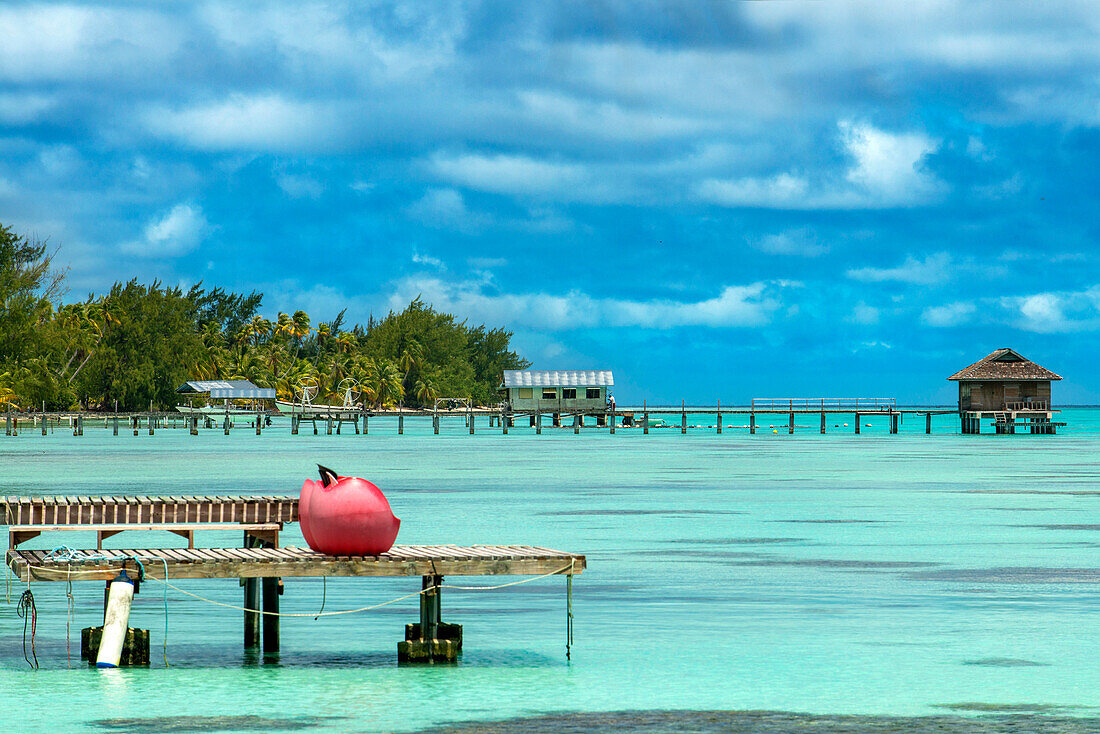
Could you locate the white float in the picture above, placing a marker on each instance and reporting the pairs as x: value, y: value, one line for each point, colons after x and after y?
x: 116, y: 622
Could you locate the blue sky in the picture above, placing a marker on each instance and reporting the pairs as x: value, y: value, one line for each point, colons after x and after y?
x: 715, y: 200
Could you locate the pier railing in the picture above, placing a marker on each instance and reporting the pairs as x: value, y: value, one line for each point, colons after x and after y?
x: 824, y: 403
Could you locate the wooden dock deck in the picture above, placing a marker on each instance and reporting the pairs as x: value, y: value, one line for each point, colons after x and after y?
x: 259, y: 561
x: 294, y: 562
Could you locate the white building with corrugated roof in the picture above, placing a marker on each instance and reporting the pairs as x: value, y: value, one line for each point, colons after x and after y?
x: 557, y: 391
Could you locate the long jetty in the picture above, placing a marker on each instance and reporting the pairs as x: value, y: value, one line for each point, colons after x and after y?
x: 642, y: 417
x: 260, y: 562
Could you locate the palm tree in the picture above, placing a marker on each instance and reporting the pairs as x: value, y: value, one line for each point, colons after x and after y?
x: 299, y: 329
x: 388, y: 384
x: 425, y: 392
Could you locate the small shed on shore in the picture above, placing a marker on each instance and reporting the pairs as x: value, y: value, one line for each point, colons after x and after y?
x: 226, y: 390
x: 1004, y: 381
x: 556, y: 391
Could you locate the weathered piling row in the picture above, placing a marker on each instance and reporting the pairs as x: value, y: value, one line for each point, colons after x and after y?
x: 611, y: 419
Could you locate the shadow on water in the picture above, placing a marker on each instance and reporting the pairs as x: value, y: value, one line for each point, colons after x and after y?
x: 157, y: 724
x: 999, y: 719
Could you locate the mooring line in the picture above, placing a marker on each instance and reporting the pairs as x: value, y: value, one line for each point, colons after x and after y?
x: 563, y: 569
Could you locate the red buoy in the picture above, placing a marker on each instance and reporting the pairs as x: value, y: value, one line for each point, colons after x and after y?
x: 346, y: 516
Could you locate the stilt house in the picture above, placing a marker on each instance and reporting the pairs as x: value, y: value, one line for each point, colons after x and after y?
x: 1007, y: 387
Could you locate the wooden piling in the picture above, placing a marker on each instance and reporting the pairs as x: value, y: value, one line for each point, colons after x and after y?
x: 504, y: 421
x: 683, y: 418
x: 227, y: 417
x: 893, y: 422
x: 294, y: 421
x: 645, y: 417
x: 400, y: 425
x: 576, y: 425
x: 272, y: 587
x: 752, y: 423
x: 259, y: 420
x: 719, y: 417
x: 116, y: 424
x: 928, y: 423
x: 857, y: 422
x: 790, y: 423
x: 328, y: 425
x: 435, y: 423
x: 823, y: 421
x: 538, y: 424
x: 611, y: 418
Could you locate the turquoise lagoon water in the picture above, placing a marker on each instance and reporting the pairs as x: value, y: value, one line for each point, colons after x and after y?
x: 879, y: 575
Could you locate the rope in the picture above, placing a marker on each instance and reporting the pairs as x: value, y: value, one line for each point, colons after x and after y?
x: 568, y: 615
x: 324, y: 596
x: 29, y: 613
x: 69, y: 618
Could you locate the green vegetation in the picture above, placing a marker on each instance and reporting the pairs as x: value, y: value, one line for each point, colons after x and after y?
x: 137, y: 343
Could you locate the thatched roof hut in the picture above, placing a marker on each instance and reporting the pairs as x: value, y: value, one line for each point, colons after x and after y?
x: 1004, y: 380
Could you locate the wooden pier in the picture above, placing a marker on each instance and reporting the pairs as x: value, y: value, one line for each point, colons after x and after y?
x: 259, y: 562
x: 473, y: 420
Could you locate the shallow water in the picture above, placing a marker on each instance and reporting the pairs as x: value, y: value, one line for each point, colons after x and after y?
x: 941, y: 576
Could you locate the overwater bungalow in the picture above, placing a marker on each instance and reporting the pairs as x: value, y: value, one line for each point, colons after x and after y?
x: 557, y: 391
x: 201, y: 395
x: 1009, y: 388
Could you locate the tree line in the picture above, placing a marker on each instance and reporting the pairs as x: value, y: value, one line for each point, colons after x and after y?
x: 137, y: 343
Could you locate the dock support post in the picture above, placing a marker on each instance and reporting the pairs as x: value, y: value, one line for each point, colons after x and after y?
x: 504, y: 421
x: 857, y: 422
x: 431, y: 639
x: 576, y: 424
x: 227, y: 417
x: 400, y: 425
x: 683, y: 418
x: 259, y: 422
x: 294, y: 420
x: 538, y: 424
x: 7, y: 423
x: 556, y: 420
x: 928, y: 423
x: 365, y: 427
x: 752, y: 424
x: 471, y: 422
x: 719, y: 417
x: 150, y: 417
x: 645, y: 417
x: 611, y: 418
x: 272, y: 587
x: 251, y: 618
x: 790, y: 423
x: 328, y: 425
x: 116, y: 424
x: 823, y: 421
x: 893, y: 422
x: 435, y: 423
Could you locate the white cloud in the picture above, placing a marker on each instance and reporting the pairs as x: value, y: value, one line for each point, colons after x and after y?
x: 888, y: 168
x: 885, y: 170
x: 421, y: 259
x: 525, y: 176
x: 864, y: 314
x: 445, y: 208
x: 932, y: 269
x: 176, y: 233
x: 736, y: 306
x: 300, y: 186
x: 23, y: 108
x: 950, y: 314
x: 251, y: 122
x: 604, y: 119
x: 799, y: 242
x: 1043, y: 312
